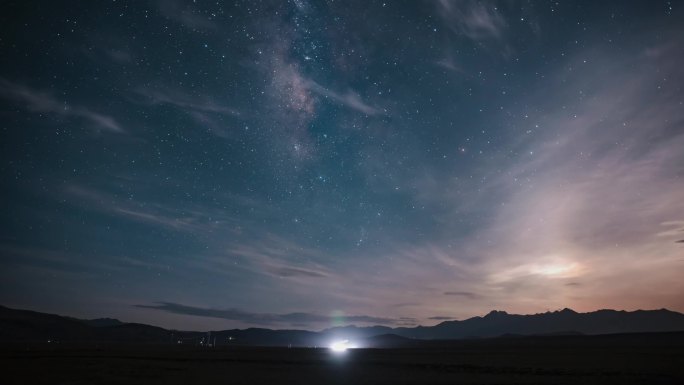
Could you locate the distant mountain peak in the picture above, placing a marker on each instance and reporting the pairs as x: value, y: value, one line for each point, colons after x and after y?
x: 103, y: 322
x: 496, y: 313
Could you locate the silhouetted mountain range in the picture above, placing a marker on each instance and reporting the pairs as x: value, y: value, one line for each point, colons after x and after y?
x: 565, y: 321
x: 24, y: 325
x: 102, y: 322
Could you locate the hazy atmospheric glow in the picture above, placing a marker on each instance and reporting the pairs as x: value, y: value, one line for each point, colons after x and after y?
x: 302, y: 164
x: 340, y: 346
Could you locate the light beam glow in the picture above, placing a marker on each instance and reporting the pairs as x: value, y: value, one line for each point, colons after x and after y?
x: 340, y: 346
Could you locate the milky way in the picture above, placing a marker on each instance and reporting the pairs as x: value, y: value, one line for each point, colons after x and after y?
x: 305, y: 164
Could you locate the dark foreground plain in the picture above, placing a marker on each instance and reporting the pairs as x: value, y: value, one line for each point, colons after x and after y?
x: 652, y: 358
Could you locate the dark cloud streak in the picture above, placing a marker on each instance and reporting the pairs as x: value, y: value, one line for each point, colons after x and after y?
x: 264, y: 318
x: 464, y: 294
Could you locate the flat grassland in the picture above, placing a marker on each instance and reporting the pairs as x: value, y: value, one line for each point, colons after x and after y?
x: 643, y: 359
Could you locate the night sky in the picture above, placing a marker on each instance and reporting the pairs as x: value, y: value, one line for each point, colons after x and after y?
x: 299, y: 164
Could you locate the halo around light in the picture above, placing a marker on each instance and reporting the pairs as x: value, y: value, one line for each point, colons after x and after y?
x: 340, y: 346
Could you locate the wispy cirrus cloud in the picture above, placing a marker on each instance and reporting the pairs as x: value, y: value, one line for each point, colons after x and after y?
x: 206, y: 111
x: 299, y: 91
x: 298, y: 272
x: 450, y: 63
x: 44, y: 102
x: 475, y: 19
x: 277, y: 257
x: 197, y: 220
x: 675, y: 229
x: 583, y: 211
x: 591, y: 196
x: 185, y: 101
x: 349, y: 99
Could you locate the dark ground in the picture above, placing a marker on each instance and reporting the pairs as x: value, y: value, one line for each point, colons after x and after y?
x: 641, y: 359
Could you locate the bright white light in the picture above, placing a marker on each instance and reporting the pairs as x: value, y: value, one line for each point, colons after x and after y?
x: 339, y: 346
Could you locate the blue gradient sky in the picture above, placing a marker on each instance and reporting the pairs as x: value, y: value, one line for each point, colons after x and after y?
x: 301, y: 164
